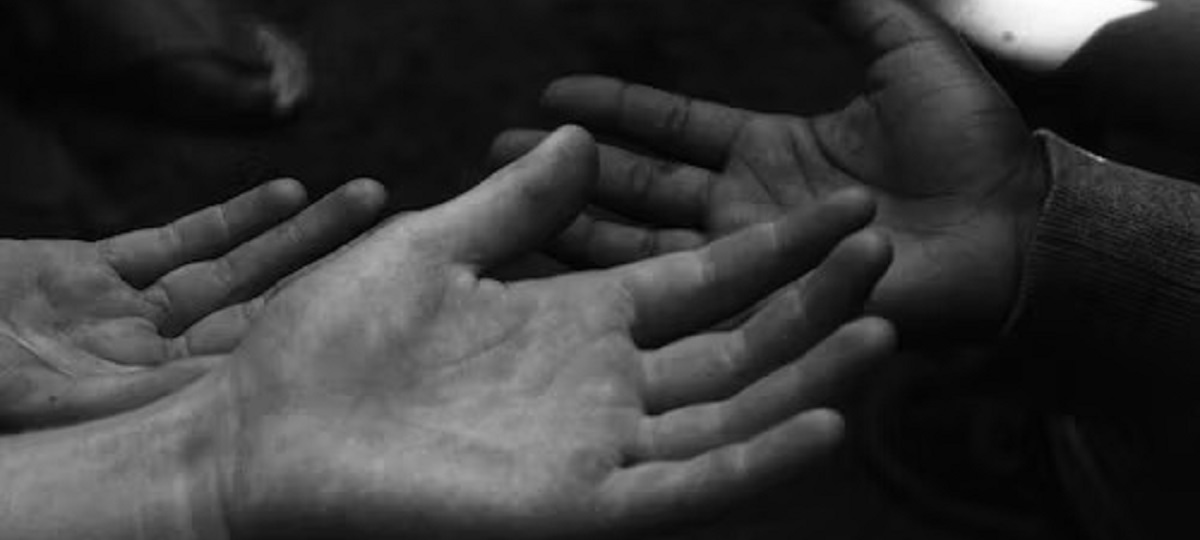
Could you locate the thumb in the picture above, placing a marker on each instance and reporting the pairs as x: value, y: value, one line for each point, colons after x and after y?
x: 898, y: 36
x: 518, y: 208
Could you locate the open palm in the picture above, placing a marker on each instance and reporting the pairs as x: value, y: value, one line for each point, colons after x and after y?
x: 946, y: 153
x: 89, y: 329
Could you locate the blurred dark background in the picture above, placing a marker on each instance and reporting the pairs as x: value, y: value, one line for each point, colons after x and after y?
x: 408, y: 92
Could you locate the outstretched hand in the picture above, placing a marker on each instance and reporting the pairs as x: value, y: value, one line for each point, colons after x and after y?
x: 394, y: 392
x: 956, y: 172
x: 92, y: 329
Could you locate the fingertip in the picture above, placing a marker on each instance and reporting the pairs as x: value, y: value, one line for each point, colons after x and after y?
x: 567, y: 138
x: 287, y: 191
x: 872, y: 246
x: 580, y: 95
x: 826, y: 425
x: 514, y: 143
x: 567, y: 86
x: 877, y: 335
x: 571, y: 148
x: 858, y: 200
x: 367, y: 193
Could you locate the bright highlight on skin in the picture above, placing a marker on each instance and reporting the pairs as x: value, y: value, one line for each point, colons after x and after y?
x: 1042, y: 34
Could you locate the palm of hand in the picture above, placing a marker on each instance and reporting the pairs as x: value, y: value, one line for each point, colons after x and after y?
x: 497, y: 390
x: 92, y: 329
x: 949, y: 164
x: 394, y: 391
x: 67, y: 315
x: 947, y: 155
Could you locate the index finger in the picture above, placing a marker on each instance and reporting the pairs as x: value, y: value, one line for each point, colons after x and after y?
x: 695, y: 131
x: 682, y: 293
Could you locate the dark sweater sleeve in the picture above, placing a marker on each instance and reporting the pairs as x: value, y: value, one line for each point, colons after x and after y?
x: 1107, y: 327
x: 1111, y: 287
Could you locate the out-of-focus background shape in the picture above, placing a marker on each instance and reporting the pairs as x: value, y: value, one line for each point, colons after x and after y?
x: 1038, y: 34
x: 407, y: 91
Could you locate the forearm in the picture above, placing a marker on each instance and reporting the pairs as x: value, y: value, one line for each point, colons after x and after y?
x: 144, y: 475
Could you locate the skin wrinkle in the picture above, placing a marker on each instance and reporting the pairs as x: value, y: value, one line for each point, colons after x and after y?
x: 802, y: 135
x: 877, y: 83
x: 696, y: 180
x: 649, y: 244
x: 736, y: 135
x: 709, y: 193
x: 732, y: 354
x: 223, y: 271
x: 840, y: 165
x: 222, y: 219
x: 106, y: 250
x: 796, y: 300
x: 756, y: 130
x: 679, y: 116
x: 642, y: 174
x: 158, y: 299
x: 178, y: 348
x: 171, y: 239
x: 829, y: 148
x: 29, y: 345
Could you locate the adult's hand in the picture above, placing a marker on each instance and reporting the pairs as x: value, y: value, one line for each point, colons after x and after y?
x: 956, y: 172
x: 91, y: 329
x: 394, y: 392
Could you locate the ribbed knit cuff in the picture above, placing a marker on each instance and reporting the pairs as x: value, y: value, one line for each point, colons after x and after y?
x: 1111, y: 287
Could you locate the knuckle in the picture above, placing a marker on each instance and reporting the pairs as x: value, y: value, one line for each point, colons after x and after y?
x: 225, y: 276
x: 647, y: 244
x: 623, y: 302
x: 221, y: 217
x: 677, y: 116
x: 649, y: 437
x: 731, y: 355
x: 171, y: 237
x: 706, y: 270
x: 158, y: 299
x: 738, y: 461
x: 720, y: 419
x: 641, y: 178
x: 796, y: 301
x: 291, y: 234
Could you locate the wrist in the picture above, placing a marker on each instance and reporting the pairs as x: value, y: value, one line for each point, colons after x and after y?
x: 151, y: 473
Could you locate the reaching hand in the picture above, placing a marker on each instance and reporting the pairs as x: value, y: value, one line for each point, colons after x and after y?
x: 392, y: 392
x: 956, y: 172
x: 93, y: 329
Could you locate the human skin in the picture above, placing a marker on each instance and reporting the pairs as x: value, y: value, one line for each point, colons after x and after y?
x: 958, y: 176
x: 93, y: 329
x: 393, y: 392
